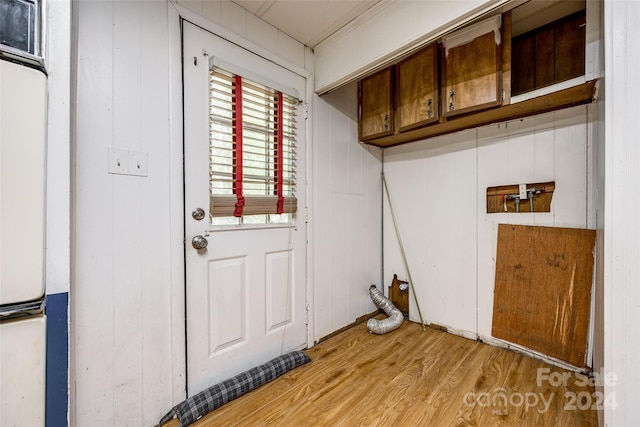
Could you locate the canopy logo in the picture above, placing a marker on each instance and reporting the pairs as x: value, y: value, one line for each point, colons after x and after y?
x: 500, y: 400
x: 576, y: 390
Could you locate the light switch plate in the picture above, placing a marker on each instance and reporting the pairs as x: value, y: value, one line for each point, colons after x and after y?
x: 137, y: 163
x: 118, y: 161
x: 126, y: 162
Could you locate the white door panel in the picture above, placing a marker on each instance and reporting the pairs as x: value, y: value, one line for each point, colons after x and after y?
x: 22, y: 182
x: 22, y: 371
x: 246, y: 298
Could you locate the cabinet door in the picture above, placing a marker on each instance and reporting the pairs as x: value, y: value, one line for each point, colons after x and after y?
x: 375, y: 98
x: 570, y: 47
x: 472, y: 68
x: 417, y: 89
x: 550, y: 54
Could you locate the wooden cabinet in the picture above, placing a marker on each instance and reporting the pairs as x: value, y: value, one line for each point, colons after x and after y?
x: 417, y: 101
x: 467, y: 78
x: 472, y: 68
x: 375, y: 105
x: 550, y: 54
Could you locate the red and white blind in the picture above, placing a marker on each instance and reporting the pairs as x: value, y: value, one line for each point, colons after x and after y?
x: 252, y: 137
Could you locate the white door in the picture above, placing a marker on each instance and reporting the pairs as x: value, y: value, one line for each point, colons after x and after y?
x: 246, y: 291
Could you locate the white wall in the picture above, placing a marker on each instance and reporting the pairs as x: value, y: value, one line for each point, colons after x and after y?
x: 346, y: 216
x: 433, y: 194
x: 438, y: 189
x: 58, y: 63
x: 247, y: 30
x: 621, y: 203
x: 121, y: 294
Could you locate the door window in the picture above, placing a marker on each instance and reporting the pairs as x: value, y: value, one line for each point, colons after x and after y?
x: 252, y: 152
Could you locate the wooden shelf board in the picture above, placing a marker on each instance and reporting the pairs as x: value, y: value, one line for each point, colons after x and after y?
x: 577, y: 95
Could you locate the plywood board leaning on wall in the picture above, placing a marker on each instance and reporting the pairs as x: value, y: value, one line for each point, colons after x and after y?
x: 542, y: 291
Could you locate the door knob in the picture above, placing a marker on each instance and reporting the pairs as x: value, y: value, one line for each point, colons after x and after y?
x: 199, y: 242
x: 197, y: 214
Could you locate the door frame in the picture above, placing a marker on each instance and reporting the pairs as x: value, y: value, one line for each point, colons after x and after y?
x: 176, y: 15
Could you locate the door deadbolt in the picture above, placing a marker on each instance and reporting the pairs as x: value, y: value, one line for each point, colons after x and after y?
x: 199, y: 242
x: 198, y: 214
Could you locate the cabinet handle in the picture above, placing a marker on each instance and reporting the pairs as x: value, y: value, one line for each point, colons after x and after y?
x: 429, y: 111
x: 451, y: 93
x: 386, y: 122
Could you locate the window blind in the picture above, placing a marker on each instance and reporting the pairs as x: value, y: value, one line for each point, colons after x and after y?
x: 252, y: 136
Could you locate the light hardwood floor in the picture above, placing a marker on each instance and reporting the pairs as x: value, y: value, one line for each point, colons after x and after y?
x: 411, y: 377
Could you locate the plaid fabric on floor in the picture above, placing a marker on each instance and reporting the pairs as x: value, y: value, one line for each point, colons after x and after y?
x: 215, y: 396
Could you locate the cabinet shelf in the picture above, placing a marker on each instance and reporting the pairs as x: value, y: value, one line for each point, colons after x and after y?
x: 585, y: 93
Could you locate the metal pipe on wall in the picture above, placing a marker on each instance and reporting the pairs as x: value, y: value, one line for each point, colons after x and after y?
x: 404, y: 256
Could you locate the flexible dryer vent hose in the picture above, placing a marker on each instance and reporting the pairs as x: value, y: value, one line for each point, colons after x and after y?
x: 391, y: 323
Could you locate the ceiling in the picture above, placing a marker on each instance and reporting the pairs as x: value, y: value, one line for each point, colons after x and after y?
x: 308, y: 21
x: 312, y: 21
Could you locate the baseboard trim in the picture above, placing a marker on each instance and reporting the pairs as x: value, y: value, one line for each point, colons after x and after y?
x: 359, y: 320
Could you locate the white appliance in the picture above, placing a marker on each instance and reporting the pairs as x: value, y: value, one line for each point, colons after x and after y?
x: 23, y: 88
